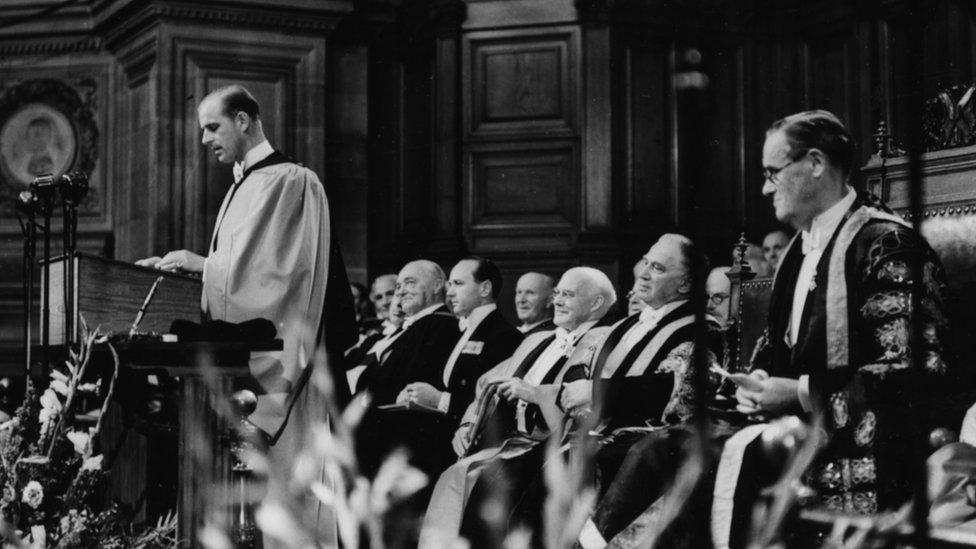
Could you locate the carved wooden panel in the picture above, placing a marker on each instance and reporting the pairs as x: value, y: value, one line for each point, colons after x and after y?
x: 522, y: 81
x: 526, y: 189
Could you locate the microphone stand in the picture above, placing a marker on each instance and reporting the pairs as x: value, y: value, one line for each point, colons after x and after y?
x: 27, y: 203
x: 43, y: 188
x: 73, y: 187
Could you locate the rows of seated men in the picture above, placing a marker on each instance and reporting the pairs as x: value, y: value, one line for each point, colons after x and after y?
x: 486, y: 409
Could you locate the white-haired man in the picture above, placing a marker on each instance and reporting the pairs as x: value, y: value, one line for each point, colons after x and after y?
x: 515, y: 409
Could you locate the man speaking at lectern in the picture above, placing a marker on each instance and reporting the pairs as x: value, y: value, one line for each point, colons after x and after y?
x: 271, y: 256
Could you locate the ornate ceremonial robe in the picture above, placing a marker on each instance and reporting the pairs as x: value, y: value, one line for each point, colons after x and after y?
x: 272, y: 256
x: 855, y: 347
x: 649, y: 379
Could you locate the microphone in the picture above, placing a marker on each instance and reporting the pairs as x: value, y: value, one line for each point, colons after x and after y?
x: 73, y: 187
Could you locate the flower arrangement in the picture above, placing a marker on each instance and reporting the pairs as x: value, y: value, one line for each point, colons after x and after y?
x: 51, y: 478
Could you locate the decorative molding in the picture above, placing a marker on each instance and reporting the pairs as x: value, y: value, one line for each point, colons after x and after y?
x: 22, y: 48
x: 266, y: 17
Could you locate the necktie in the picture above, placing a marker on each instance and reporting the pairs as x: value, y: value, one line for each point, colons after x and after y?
x: 810, y: 241
x: 463, y: 324
x: 562, y: 339
x: 238, y: 172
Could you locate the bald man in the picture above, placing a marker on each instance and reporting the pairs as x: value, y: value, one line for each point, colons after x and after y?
x: 533, y: 303
x: 429, y: 335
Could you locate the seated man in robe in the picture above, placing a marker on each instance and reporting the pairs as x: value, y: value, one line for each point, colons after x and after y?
x: 438, y: 395
x: 837, y: 347
x: 486, y: 339
x: 533, y: 303
x: 516, y: 407
x: 418, y: 353
x: 642, y: 373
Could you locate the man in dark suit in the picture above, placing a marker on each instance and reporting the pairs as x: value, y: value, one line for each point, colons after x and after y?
x: 486, y: 340
x: 533, y: 303
x: 429, y: 335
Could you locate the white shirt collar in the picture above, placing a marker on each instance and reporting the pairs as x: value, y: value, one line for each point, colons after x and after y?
x: 407, y: 322
x: 478, y: 314
x: 653, y: 316
x: 257, y: 153
x: 578, y: 331
x: 824, y: 225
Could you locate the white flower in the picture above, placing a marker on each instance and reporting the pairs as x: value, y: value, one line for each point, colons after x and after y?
x: 81, y: 442
x: 50, y: 406
x: 33, y: 494
x: 93, y: 463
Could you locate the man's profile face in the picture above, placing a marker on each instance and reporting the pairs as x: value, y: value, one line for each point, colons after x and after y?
x: 381, y: 295
x: 533, y: 295
x: 793, y: 192
x: 773, y: 246
x: 221, y: 134
x: 416, y: 287
x: 573, y: 301
x: 717, y: 287
x: 463, y: 292
x: 664, y: 278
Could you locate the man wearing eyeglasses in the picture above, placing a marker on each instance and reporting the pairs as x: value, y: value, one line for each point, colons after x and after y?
x: 837, y: 345
x: 839, y: 341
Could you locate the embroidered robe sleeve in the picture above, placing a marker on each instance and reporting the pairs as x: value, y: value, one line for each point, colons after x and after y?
x: 891, y: 383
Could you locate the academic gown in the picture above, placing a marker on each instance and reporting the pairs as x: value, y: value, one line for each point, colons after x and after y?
x: 507, y: 454
x: 417, y: 355
x: 272, y: 256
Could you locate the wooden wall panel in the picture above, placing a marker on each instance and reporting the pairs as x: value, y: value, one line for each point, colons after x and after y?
x: 523, y: 189
x: 522, y: 82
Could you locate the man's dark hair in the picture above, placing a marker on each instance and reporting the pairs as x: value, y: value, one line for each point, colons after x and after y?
x: 237, y: 99
x: 821, y: 130
x: 485, y: 269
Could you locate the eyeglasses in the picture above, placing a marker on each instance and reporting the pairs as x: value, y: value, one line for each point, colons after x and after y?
x: 717, y: 299
x: 771, y: 173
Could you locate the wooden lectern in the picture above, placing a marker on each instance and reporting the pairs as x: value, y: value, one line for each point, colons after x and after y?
x: 108, y: 294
